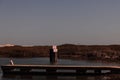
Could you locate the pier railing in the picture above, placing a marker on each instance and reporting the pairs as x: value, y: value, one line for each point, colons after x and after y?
x: 59, y: 69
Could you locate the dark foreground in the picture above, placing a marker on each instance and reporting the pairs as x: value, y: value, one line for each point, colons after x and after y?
x: 59, y: 70
x: 49, y: 77
x: 45, y: 61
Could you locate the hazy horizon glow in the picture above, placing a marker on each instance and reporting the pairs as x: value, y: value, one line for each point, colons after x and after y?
x: 47, y: 22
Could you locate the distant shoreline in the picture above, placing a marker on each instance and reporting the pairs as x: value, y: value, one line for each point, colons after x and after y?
x: 71, y: 51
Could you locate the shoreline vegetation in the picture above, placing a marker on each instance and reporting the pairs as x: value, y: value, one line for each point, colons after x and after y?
x: 66, y: 51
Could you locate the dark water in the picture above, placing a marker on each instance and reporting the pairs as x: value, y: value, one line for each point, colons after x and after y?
x: 4, y: 61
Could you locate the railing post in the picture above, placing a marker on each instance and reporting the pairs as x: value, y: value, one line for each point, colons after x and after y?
x: 80, y: 71
x: 98, y: 71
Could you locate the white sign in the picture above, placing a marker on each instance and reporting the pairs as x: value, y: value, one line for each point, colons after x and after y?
x: 55, y: 48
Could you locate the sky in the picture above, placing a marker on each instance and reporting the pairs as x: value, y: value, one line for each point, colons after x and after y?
x: 56, y: 22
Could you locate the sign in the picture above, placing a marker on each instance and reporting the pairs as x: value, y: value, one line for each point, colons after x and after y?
x: 55, y: 48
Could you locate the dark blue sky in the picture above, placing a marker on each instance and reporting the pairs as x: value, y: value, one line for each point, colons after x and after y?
x: 48, y: 22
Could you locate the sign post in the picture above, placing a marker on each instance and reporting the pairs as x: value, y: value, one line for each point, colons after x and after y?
x: 53, y: 55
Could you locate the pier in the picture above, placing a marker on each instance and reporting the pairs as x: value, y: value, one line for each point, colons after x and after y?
x: 59, y: 69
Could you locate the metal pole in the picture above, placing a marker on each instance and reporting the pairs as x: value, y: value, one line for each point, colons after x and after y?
x: 53, y: 55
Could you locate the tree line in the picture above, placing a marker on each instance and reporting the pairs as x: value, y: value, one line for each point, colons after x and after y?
x: 101, y: 52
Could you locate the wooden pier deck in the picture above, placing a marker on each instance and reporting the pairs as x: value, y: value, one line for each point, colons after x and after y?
x: 59, y: 69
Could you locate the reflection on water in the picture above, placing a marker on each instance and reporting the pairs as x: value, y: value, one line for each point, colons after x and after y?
x: 38, y: 77
x: 4, y: 61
